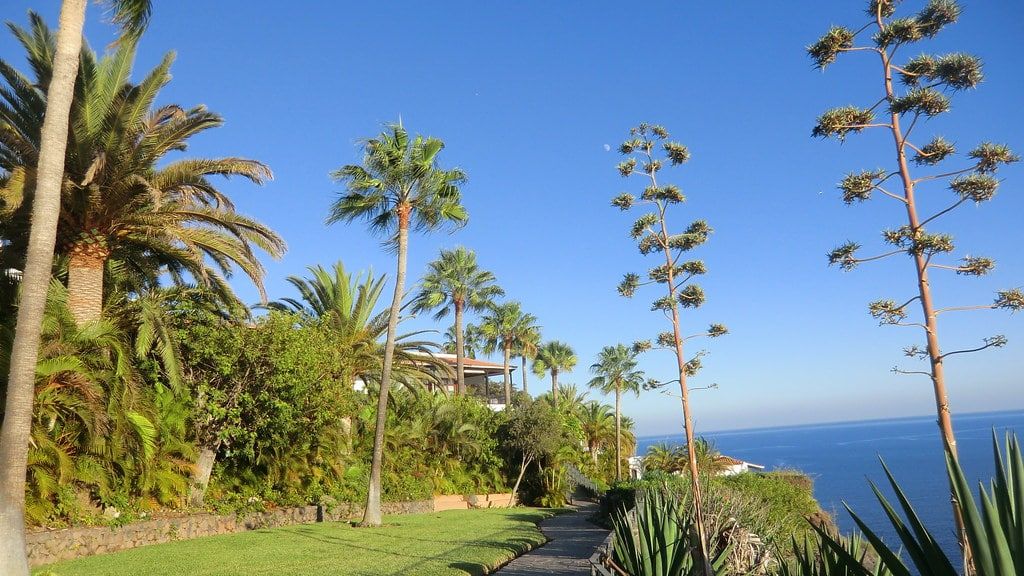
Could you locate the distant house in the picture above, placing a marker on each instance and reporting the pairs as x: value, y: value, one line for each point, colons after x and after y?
x: 727, y: 466
x: 477, y: 374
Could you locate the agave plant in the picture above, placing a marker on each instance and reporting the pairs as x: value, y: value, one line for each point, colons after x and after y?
x: 811, y: 560
x: 995, y: 530
x: 658, y: 538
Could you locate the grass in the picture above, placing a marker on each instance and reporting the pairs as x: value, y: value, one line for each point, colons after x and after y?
x: 439, y: 543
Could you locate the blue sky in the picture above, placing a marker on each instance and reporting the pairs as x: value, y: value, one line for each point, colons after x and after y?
x: 527, y: 95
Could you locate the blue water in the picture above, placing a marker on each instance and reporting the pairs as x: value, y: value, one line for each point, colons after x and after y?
x: 841, y: 457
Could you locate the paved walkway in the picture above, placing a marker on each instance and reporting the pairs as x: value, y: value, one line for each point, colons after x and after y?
x: 572, y: 541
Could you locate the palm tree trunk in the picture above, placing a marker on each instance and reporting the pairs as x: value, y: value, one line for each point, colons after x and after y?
x: 372, y: 515
x: 508, y: 376
x: 618, y: 433
x: 522, y: 364
x: 35, y: 283
x: 85, y: 283
x: 460, y: 352
x: 554, y: 387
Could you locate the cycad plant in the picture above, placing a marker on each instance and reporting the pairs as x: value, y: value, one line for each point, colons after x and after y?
x: 993, y: 525
x: 455, y: 283
x: 399, y: 187
x: 903, y: 112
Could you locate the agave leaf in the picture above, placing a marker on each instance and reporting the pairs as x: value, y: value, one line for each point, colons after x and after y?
x: 851, y: 563
x: 932, y: 558
x: 981, y: 551
x: 1015, y: 495
x: 890, y: 559
x: 995, y: 536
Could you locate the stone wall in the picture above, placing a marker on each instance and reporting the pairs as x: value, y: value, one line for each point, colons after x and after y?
x: 47, y: 546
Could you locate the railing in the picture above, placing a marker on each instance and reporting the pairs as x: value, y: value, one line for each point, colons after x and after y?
x: 601, y: 560
x: 576, y: 479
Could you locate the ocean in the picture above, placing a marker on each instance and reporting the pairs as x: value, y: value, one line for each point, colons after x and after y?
x: 841, y: 457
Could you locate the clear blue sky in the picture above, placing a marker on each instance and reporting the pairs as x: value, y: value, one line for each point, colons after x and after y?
x: 527, y: 95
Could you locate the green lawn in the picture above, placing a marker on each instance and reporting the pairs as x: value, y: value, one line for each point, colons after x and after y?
x: 453, y: 542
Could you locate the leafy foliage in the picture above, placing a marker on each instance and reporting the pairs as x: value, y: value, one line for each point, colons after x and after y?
x: 126, y: 200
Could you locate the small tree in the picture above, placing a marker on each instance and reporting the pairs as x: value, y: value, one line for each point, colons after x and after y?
x: 651, y: 231
x: 533, y: 432
x: 927, y: 81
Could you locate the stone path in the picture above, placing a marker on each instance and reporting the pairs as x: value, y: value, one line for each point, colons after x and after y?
x: 572, y: 541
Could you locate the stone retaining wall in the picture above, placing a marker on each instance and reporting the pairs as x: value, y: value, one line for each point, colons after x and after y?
x: 47, y: 546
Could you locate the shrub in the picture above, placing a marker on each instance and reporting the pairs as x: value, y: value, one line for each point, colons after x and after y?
x: 786, y: 498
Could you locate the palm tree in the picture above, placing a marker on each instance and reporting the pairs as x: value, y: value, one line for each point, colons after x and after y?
x: 53, y: 137
x: 664, y: 458
x: 472, y: 340
x: 122, y: 215
x: 571, y: 400
x: 554, y: 357
x: 500, y: 328
x: 347, y: 303
x: 598, y: 424
x: 526, y: 344
x: 454, y: 281
x: 616, y: 371
x: 398, y: 186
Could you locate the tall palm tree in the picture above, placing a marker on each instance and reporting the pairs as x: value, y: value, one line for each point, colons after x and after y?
x: 500, y: 328
x: 126, y: 209
x: 616, y: 371
x: 399, y: 186
x: 53, y: 137
x: 598, y: 424
x: 455, y: 281
x: 526, y: 344
x: 553, y: 358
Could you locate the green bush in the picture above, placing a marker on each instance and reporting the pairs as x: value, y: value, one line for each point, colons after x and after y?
x: 787, y: 499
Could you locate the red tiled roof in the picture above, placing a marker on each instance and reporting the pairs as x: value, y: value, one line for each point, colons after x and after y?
x: 476, y: 362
